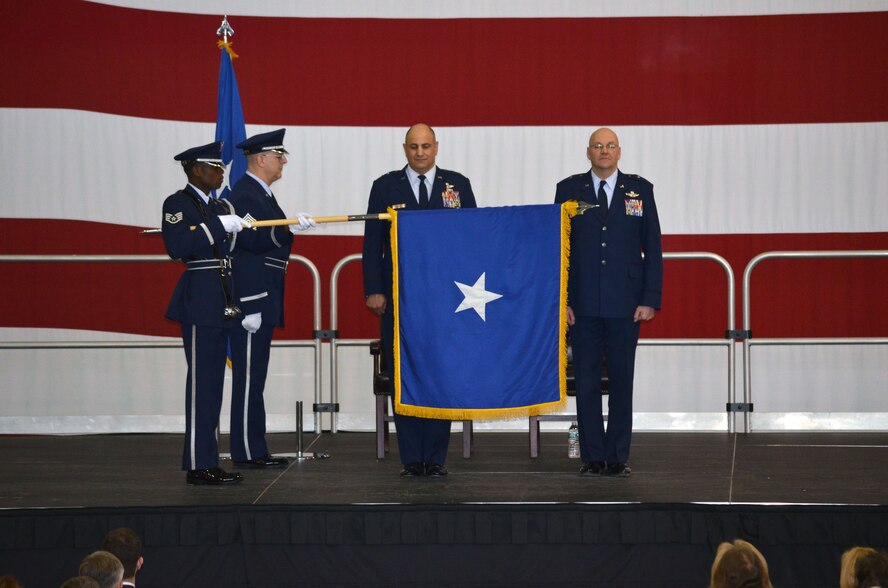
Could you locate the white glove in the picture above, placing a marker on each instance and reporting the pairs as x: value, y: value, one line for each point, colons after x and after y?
x: 233, y: 223
x: 252, y: 322
x: 305, y: 223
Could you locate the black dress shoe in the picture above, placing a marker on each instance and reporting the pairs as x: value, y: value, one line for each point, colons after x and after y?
x: 436, y: 470
x: 266, y: 461
x: 212, y: 477
x: 618, y: 470
x: 412, y: 470
x: 592, y: 468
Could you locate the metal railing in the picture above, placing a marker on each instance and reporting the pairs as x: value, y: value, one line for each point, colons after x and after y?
x: 748, y: 341
x: 335, y: 341
x: 727, y: 342
x: 314, y: 343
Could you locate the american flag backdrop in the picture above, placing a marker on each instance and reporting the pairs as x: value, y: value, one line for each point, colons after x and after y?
x: 763, y: 126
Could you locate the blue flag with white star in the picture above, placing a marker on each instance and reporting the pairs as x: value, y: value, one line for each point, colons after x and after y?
x: 230, y: 127
x: 479, y: 300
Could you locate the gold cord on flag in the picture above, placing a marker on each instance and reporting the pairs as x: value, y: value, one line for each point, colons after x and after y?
x: 226, y: 45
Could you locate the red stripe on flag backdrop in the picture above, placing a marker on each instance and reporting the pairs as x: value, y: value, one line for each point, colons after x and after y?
x: 385, y: 72
x: 789, y: 297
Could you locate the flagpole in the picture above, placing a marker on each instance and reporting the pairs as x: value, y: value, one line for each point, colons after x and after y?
x: 341, y: 218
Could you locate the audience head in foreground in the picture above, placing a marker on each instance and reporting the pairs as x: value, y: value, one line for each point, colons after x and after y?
x: 104, y: 568
x: 739, y: 565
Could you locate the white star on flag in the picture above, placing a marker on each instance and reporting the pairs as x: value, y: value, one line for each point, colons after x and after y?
x: 476, y: 297
x: 226, y: 179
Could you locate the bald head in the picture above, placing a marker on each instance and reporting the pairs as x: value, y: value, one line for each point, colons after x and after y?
x: 604, y: 152
x: 419, y: 127
x: 421, y: 148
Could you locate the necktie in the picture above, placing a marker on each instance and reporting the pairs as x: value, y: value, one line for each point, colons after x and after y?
x: 423, y: 193
x: 602, y: 195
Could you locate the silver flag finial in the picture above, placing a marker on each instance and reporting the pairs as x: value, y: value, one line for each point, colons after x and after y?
x: 225, y: 29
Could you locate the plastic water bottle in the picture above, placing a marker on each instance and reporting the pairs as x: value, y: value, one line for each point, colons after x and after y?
x: 573, y: 442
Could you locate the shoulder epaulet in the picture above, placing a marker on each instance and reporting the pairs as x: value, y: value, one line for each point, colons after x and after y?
x: 639, y: 179
x: 450, y: 172
x: 575, y: 178
x: 394, y: 172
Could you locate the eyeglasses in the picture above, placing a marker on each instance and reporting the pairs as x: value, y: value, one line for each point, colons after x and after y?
x: 276, y: 155
x: 599, y: 146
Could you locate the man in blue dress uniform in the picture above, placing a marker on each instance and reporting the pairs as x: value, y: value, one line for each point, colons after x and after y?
x: 203, y: 302
x: 422, y: 442
x: 611, y: 288
x: 260, y: 261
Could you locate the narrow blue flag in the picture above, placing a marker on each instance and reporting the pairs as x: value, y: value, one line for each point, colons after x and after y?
x: 230, y: 128
x: 479, y: 302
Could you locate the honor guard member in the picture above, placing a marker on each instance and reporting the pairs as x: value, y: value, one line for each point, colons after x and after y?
x: 615, y: 280
x: 418, y: 185
x: 261, y: 258
x: 203, y: 302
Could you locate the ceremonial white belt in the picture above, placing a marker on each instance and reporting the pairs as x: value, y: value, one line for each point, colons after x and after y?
x: 276, y: 263
x: 202, y: 264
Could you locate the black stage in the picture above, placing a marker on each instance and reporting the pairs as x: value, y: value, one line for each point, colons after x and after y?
x: 499, y: 518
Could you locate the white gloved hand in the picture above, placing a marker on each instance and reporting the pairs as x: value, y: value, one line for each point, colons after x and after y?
x: 252, y: 322
x: 305, y: 223
x: 233, y: 223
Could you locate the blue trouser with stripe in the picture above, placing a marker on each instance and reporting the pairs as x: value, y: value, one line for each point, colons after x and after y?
x: 205, y: 352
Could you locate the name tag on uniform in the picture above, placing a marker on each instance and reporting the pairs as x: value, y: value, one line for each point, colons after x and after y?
x: 398, y: 206
x: 634, y: 207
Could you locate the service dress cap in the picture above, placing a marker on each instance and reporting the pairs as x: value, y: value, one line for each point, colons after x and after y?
x: 264, y: 142
x: 211, y: 154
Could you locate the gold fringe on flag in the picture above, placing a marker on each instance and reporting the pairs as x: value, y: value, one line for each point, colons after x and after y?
x: 396, y: 364
x: 568, y: 211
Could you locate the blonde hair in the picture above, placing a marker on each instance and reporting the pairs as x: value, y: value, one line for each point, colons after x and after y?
x: 848, y: 575
x: 739, y: 565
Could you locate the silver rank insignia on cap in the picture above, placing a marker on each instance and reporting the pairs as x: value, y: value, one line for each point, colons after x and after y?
x: 172, y: 218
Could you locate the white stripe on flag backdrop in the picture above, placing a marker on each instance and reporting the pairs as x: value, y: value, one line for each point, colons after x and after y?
x: 756, y: 133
